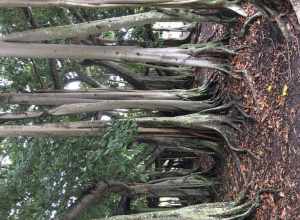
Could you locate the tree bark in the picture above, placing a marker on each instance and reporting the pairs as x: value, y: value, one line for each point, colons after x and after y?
x: 146, y: 83
x: 154, y: 105
x: 60, y: 97
x: 296, y: 6
x: 184, y: 186
x: 121, y: 3
x: 125, y: 73
x: 107, y: 105
x: 83, y: 30
x: 206, y: 211
x: 101, y: 190
x: 84, y: 128
x: 171, y: 56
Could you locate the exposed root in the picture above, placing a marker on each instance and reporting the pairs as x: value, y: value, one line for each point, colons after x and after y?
x: 249, y: 22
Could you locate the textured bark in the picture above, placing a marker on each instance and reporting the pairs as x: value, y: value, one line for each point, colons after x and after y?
x: 57, y: 79
x: 143, y: 83
x: 83, y: 30
x: 206, y: 211
x: 184, y: 186
x: 107, y: 105
x: 192, y: 145
x: 219, y: 125
x: 60, y: 97
x: 85, y: 128
x: 171, y: 56
x: 36, y: 99
x: 114, y: 3
x: 296, y: 6
x: 154, y: 105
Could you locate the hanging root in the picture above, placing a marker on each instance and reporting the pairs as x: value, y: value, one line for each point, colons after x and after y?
x: 209, y: 47
x: 249, y: 22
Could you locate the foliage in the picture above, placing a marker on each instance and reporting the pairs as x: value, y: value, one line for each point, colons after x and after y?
x: 45, y: 175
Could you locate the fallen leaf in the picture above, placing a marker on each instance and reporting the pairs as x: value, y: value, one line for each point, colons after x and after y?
x: 285, y: 90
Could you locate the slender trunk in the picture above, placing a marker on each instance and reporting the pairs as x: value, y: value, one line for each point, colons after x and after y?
x: 143, y: 83
x: 193, y: 145
x: 185, y: 186
x: 89, y: 96
x: 100, y: 192
x: 83, y: 78
x: 171, y: 56
x: 84, y: 30
x: 107, y: 105
x: 154, y: 105
x: 56, y: 77
x: 83, y: 128
x: 175, y: 106
x: 125, y: 73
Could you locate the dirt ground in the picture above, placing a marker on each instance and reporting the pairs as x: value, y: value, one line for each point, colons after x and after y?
x: 272, y: 96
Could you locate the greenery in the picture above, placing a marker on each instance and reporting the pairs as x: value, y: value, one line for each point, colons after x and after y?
x: 46, y: 175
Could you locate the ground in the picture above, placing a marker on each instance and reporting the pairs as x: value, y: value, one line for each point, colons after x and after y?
x: 271, y: 95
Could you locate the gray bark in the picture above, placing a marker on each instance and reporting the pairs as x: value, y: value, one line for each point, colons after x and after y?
x: 154, y: 105
x: 83, y: 30
x: 206, y: 211
x: 296, y: 6
x: 94, y: 95
x: 121, y: 3
x: 107, y: 105
x: 85, y: 128
x: 171, y: 56
x: 143, y: 83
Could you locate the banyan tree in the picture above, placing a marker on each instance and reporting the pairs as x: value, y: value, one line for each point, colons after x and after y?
x: 152, y: 137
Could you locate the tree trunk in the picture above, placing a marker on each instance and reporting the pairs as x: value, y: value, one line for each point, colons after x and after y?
x: 173, y: 106
x: 171, y: 56
x: 123, y: 72
x: 296, y: 6
x: 90, y: 96
x: 185, y: 186
x: 154, y: 105
x: 143, y: 83
x: 206, y: 211
x: 121, y: 3
x: 102, y: 189
x: 84, y: 128
x: 84, y: 30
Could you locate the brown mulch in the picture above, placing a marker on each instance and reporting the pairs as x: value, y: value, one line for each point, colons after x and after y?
x: 272, y: 96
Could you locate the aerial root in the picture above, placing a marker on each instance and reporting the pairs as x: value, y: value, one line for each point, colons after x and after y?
x: 242, y: 151
x: 249, y: 22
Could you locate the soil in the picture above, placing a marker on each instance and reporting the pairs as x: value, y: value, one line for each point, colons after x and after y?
x: 271, y: 95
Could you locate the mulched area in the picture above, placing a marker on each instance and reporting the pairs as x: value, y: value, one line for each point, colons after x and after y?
x: 270, y: 94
